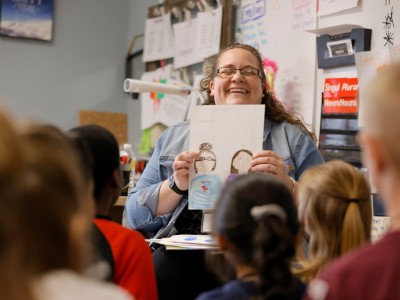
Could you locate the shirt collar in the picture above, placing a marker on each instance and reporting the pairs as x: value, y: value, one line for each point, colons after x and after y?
x: 267, y: 128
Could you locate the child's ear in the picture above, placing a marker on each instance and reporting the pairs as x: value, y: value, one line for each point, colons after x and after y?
x: 375, y: 158
x: 116, y: 179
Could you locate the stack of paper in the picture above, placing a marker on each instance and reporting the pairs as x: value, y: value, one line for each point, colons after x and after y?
x: 187, y: 242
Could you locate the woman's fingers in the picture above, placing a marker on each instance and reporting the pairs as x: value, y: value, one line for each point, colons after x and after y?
x: 181, y: 166
x: 268, y: 162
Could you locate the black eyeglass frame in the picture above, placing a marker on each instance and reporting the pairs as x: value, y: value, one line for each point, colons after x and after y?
x: 206, y: 158
x: 240, y: 70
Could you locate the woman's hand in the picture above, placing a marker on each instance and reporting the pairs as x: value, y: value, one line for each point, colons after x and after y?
x: 181, y: 166
x: 268, y: 161
x: 167, y: 198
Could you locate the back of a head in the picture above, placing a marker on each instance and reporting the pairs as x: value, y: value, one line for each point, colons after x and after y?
x: 257, y: 215
x: 334, y: 200
x: 104, y: 150
x: 13, y: 282
x: 10, y: 151
x: 50, y: 198
x: 380, y: 108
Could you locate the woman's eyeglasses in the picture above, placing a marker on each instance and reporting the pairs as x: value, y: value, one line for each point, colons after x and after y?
x: 229, y: 72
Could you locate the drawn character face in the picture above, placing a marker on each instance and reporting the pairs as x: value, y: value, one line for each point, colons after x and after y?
x: 206, y: 164
x: 242, y: 162
x: 237, y: 88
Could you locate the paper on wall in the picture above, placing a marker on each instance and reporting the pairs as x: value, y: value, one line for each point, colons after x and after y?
x: 185, y: 50
x: 158, y: 39
x: 327, y: 7
x: 380, y: 225
x: 209, y: 32
x: 159, y: 107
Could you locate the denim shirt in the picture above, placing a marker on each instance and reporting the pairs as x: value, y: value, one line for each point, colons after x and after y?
x: 288, y: 141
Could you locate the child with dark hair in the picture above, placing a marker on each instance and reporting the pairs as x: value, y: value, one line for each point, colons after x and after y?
x: 131, y: 262
x: 255, y: 225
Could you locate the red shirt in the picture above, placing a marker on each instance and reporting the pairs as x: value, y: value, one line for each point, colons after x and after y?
x: 133, y: 265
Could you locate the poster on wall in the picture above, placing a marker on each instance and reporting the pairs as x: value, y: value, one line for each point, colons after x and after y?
x: 340, y: 96
x: 156, y: 107
x: 27, y: 19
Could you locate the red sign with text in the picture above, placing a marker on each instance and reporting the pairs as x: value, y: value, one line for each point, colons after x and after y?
x: 340, y: 96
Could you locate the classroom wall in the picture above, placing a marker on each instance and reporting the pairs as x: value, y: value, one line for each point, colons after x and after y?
x: 137, y: 21
x: 368, y: 14
x: 82, y: 68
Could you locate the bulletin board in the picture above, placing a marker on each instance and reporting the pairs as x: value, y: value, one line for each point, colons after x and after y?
x: 273, y: 27
x: 115, y: 122
x: 188, y: 31
x: 200, y: 28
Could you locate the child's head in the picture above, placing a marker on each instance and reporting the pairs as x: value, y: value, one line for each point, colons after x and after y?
x: 380, y: 133
x: 51, y: 202
x: 104, y: 151
x: 13, y: 283
x: 335, y: 206
x: 256, y: 219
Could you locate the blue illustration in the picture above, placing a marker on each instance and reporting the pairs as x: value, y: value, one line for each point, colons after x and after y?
x: 204, y: 191
x: 204, y: 188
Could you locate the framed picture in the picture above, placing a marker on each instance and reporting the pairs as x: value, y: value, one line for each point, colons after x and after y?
x: 31, y: 19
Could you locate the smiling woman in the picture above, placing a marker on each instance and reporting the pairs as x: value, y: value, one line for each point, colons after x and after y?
x: 158, y: 206
x: 232, y: 87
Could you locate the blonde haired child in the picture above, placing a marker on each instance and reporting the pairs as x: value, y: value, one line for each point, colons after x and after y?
x: 335, y: 207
